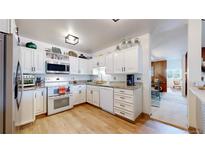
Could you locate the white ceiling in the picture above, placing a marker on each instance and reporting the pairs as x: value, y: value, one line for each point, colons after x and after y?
x: 171, y: 44
x: 94, y: 34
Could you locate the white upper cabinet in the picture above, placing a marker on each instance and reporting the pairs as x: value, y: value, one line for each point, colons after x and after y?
x: 131, y: 59
x: 109, y: 63
x: 90, y: 67
x: 128, y: 61
x: 7, y: 25
x: 4, y: 25
x: 39, y: 62
x: 27, y: 60
x: 73, y: 65
x: 99, y: 61
x: 83, y: 66
x: 33, y: 60
x: 119, y: 62
x: 79, y: 66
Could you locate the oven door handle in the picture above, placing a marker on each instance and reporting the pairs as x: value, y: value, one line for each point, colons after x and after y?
x: 58, y: 97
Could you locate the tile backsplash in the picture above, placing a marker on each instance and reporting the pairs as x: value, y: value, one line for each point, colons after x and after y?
x: 101, y: 75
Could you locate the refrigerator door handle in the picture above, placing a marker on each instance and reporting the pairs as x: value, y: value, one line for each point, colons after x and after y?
x: 17, y: 80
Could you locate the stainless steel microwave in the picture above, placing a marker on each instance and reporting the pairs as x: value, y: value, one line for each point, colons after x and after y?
x: 60, y: 68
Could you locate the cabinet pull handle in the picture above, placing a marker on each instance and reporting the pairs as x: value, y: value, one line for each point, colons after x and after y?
x: 42, y: 93
x: 122, y: 105
x: 124, y: 69
x: 122, y: 91
x: 122, y: 113
x: 122, y: 97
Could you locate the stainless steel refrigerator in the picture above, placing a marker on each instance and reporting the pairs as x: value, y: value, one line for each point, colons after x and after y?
x: 10, y: 79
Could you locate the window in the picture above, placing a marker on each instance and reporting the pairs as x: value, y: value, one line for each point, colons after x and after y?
x: 174, y: 73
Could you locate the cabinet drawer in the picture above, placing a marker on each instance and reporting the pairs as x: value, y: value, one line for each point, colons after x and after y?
x: 123, y: 91
x: 124, y: 113
x: 124, y: 98
x: 124, y: 106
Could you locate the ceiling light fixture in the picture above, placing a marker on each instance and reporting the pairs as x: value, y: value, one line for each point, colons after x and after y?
x: 71, y: 39
x: 115, y: 20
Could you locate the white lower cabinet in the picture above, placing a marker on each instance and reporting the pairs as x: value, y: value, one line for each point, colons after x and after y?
x: 78, y: 94
x: 25, y: 113
x: 93, y: 95
x: 40, y: 101
x: 128, y: 103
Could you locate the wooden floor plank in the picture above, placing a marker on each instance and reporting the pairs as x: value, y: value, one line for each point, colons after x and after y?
x: 87, y: 119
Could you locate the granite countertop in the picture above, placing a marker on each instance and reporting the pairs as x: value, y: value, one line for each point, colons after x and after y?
x: 198, y: 93
x: 120, y: 85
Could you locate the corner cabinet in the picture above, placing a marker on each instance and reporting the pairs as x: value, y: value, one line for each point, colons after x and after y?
x: 79, y: 66
x: 98, y: 61
x: 128, y: 61
x: 93, y: 95
x: 33, y: 61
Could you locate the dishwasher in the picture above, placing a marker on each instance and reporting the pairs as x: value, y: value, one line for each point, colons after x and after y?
x: 106, y: 99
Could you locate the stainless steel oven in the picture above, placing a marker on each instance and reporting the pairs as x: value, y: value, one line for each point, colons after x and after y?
x: 58, y: 99
x: 56, y: 67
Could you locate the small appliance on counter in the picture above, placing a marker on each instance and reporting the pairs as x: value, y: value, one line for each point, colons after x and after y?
x: 39, y: 81
x: 28, y: 81
x: 130, y: 80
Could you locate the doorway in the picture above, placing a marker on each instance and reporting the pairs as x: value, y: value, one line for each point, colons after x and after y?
x: 169, y: 102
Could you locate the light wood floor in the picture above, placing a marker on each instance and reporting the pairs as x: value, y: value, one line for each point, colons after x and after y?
x: 88, y: 119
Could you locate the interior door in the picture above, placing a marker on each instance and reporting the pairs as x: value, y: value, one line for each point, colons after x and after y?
x: 1, y: 83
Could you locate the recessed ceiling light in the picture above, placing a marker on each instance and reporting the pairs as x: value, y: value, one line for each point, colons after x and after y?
x: 115, y: 20
x: 71, y: 39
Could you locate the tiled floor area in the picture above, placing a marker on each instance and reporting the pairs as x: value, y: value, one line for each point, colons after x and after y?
x: 173, y: 109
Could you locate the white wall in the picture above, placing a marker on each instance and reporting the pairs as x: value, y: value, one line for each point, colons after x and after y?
x: 146, y: 75
x: 194, y: 64
x: 42, y: 46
